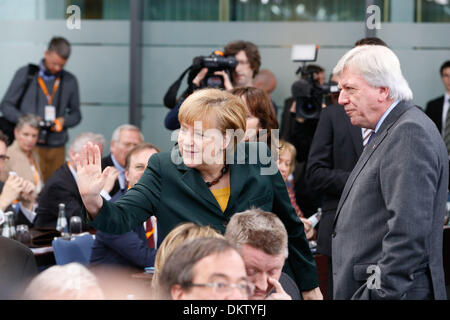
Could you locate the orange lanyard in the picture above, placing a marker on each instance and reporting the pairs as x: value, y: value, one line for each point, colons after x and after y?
x: 45, y: 91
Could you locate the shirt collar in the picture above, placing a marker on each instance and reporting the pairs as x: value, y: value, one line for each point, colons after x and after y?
x: 385, y: 114
x: 116, y: 164
x: 44, y: 74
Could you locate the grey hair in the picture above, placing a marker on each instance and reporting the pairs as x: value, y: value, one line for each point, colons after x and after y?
x: 260, y: 229
x: 29, y: 119
x: 80, y: 140
x: 72, y: 281
x: 379, y: 67
x: 116, y: 134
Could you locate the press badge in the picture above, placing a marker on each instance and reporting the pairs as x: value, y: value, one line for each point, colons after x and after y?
x: 50, y: 113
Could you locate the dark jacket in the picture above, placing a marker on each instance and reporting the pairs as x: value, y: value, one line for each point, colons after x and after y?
x: 127, y: 250
x: 176, y: 194
x: 434, y: 111
x: 335, y: 149
x: 61, y: 187
x: 17, y: 267
x: 66, y: 101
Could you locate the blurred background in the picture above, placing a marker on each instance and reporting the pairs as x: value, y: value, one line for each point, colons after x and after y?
x: 127, y: 53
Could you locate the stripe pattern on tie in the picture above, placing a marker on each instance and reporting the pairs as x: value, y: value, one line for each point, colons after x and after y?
x: 366, y: 135
x: 447, y: 130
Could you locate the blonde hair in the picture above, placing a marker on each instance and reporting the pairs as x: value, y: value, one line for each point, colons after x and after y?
x: 217, y: 108
x: 179, y: 235
x: 284, y: 147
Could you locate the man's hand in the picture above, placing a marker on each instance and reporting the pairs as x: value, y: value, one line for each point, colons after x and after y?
x: 314, y: 294
x: 11, y: 191
x: 27, y: 196
x: 199, y: 77
x: 111, y: 179
x: 91, y: 179
x: 309, y: 230
x: 59, y: 124
x: 226, y: 79
x: 279, y: 293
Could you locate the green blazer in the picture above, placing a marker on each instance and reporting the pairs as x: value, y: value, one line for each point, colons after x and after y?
x: 177, y: 194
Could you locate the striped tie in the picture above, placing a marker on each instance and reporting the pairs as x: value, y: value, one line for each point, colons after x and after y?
x: 366, y: 135
x: 447, y: 130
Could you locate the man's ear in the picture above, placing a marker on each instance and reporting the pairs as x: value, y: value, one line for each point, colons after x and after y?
x: 112, y: 145
x: 384, y: 93
x: 177, y: 292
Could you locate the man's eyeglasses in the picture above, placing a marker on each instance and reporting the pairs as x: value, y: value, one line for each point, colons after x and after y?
x: 3, y: 157
x: 246, y: 288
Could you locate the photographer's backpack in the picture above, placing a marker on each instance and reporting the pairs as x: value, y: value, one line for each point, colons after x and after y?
x: 7, y: 127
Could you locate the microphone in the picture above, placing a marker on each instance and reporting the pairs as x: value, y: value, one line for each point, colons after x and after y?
x: 300, y: 88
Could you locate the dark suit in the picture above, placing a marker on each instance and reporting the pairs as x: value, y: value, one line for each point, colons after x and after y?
x: 17, y: 267
x: 61, y: 187
x: 434, y: 111
x: 387, y: 239
x: 19, y: 217
x: 176, y: 194
x: 107, y: 162
x: 335, y: 149
x: 127, y: 250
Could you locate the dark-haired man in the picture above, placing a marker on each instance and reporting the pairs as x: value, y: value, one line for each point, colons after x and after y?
x: 248, y: 63
x: 52, y: 94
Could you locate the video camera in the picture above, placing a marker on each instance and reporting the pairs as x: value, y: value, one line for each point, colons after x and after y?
x: 214, y: 62
x: 309, y: 94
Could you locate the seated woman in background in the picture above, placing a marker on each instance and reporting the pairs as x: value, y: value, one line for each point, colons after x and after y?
x: 261, y: 117
x: 286, y: 165
x: 176, y: 237
x: 204, y: 179
x: 22, y: 159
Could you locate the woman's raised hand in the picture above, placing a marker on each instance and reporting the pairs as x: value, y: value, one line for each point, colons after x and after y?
x: 90, y: 177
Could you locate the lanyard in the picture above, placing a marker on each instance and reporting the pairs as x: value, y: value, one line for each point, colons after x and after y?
x: 45, y: 91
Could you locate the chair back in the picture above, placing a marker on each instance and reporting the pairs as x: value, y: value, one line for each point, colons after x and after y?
x: 77, y: 249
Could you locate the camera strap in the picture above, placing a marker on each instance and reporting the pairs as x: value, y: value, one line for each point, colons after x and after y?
x: 170, y: 98
x: 45, y: 91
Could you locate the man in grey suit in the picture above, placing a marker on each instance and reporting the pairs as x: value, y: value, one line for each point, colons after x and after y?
x: 387, y: 238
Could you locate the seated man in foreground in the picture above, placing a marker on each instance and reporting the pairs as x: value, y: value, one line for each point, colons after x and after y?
x: 205, y: 269
x: 262, y: 240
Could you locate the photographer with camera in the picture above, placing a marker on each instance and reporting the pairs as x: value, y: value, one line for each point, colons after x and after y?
x: 299, y: 123
x: 50, y: 93
x: 235, y: 67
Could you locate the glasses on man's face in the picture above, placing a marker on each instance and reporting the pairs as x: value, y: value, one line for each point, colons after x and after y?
x: 246, y: 288
x: 3, y: 157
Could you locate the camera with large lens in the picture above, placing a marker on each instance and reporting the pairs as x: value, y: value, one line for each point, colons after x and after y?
x: 309, y: 94
x: 215, y: 62
x: 45, y: 127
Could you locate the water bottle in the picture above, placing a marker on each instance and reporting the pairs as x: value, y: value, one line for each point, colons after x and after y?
x: 12, y: 225
x: 315, y: 218
x: 6, y: 231
x: 61, y: 223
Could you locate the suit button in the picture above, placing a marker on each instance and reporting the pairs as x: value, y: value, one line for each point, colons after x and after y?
x: 333, y: 234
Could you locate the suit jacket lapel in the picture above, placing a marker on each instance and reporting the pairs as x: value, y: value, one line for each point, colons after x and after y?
x: 193, y: 181
x: 356, y: 134
x: 370, y: 149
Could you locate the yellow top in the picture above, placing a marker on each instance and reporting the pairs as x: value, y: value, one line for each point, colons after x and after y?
x: 222, y: 196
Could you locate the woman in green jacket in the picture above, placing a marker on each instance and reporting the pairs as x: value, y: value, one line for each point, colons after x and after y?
x: 206, y: 178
